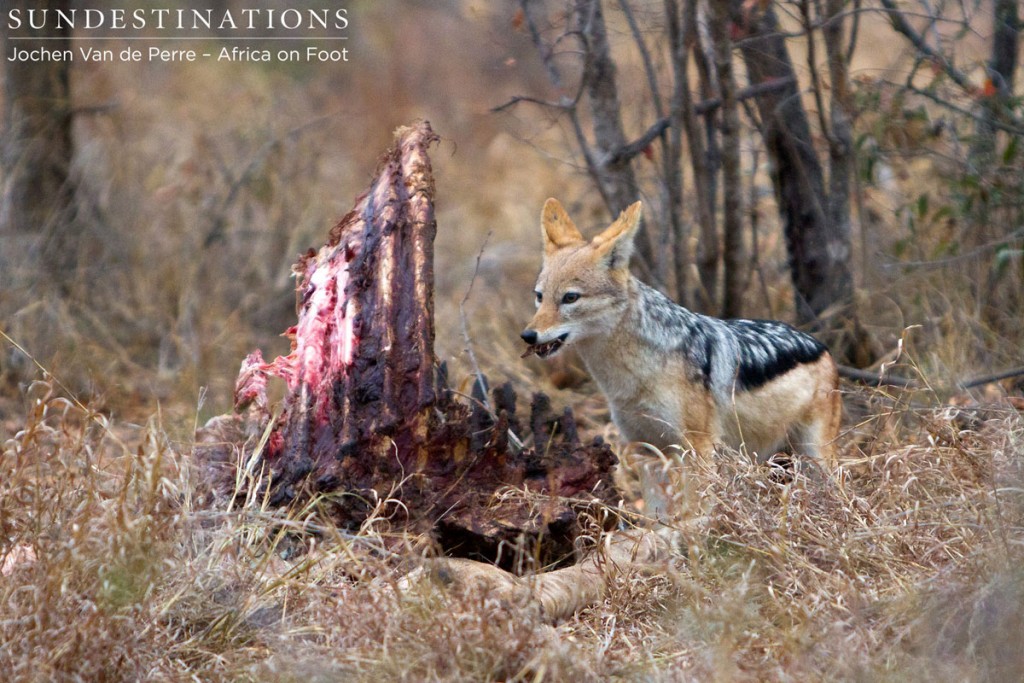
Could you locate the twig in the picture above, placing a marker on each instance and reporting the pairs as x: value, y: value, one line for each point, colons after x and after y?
x: 988, y: 379
x: 99, y: 108
x: 755, y: 247
x: 465, y: 330
x: 645, y: 55
x: 236, y: 184
x: 629, y: 151
x: 967, y: 256
x: 566, y: 104
x: 546, y: 53
x: 516, y: 99
x: 1015, y: 127
x: 875, y: 379
x: 900, y: 23
x: 879, y: 379
x: 855, y: 13
x: 660, y: 266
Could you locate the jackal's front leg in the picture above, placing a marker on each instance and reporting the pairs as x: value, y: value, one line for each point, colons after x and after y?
x: 701, y: 432
x: 816, y: 437
x: 675, y: 495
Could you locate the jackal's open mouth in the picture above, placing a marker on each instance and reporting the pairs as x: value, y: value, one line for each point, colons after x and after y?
x: 546, y: 349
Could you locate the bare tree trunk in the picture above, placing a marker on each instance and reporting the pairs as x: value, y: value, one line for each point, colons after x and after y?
x: 706, y: 160
x: 35, y: 211
x: 991, y: 223
x: 840, y: 136
x: 670, y: 220
x: 819, y: 250
x: 854, y: 342
x: 1002, y: 67
x: 615, y: 178
x: 674, y: 152
x: 734, y: 261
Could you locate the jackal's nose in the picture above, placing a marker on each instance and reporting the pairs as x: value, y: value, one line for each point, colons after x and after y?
x: 529, y: 336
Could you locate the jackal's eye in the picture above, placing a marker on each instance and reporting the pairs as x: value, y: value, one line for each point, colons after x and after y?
x: 570, y: 297
x: 540, y: 297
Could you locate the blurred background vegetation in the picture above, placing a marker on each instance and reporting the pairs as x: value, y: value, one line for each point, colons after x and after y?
x: 157, y: 251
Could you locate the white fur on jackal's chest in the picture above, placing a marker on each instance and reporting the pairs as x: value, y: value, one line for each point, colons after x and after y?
x: 634, y: 384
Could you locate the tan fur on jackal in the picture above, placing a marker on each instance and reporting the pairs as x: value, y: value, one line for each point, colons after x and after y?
x: 673, y: 377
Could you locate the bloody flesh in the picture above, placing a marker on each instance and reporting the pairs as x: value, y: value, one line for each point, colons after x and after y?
x: 368, y: 411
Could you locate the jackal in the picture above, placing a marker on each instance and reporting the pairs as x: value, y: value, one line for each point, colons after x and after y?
x: 673, y: 377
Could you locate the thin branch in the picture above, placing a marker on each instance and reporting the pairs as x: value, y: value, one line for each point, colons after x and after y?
x: 218, y: 222
x: 93, y: 109
x: 617, y: 182
x: 755, y: 221
x: 645, y: 55
x: 856, y: 12
x: 516, y: 99
x: 879, y: 379
x: 627, y: 152
x: 900, y: 23
x: 973, y: 253
x: 465, y: 331
x: 756, y: 90
x: 1015, y: 126
x: 875, y: 379
x: 546, y: 52
x: 989, y: 379
x: 588, y: 154
x: 565, y: 104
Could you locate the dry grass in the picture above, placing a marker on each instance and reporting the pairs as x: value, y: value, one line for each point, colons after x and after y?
x: 908, y: 566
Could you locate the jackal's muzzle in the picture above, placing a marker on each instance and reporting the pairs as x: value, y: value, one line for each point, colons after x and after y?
x: 541, y: 350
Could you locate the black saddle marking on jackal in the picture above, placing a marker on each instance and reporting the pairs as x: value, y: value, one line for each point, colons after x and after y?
x: 769, y: 348
x: 761, y: 349
x: 708, y: 356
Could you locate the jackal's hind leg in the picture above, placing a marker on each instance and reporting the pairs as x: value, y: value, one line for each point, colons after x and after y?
x: 816, y: 438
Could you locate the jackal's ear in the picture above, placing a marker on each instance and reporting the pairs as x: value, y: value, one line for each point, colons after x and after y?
x: 559, y: 230
x: 615, y: 245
